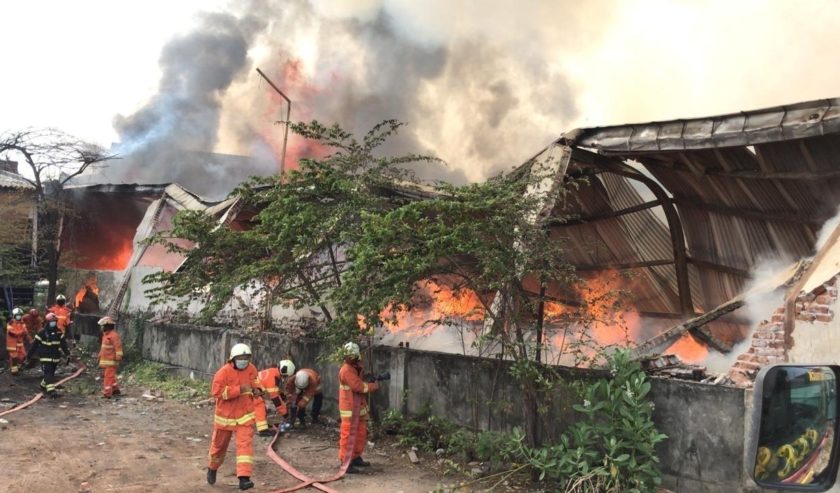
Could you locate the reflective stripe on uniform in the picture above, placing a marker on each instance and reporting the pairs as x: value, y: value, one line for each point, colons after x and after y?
x: 349, y: 413
x: 11, y: 348
x: 244, y: 420
x: 246, y: 459
x: 262, y: 425
x: 225, y: 393
x: 272, y: 389
x: 107, y: 362
x: 49, y: 360
x: 107, y: 346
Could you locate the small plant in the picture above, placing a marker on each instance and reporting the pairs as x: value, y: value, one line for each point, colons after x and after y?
x: 612, y: 448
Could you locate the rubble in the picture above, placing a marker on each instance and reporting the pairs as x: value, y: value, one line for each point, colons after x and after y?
x: 670, y: 365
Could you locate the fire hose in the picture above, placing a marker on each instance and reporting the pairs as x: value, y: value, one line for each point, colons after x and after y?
x: 40, y: 395
x: 307, y: 482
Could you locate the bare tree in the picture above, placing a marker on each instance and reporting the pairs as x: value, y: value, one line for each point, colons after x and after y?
x: 53, y: 158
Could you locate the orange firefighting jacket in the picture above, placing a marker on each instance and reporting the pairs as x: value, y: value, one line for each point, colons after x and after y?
x: 63, y: 314
x: 350, y: 382
x: 305, y: 395
x: 16, y: 335
x: 111, y: 351
x: 270, y: 380
x: 33, y: 324
x: 232, y: 407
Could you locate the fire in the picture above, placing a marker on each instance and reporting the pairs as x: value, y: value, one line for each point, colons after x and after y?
x: 611, y: 319
x: 435, y: 302
x: 86, y: 299
x: 111, y: 259
x: 689, y: 349
x: 293, y: 82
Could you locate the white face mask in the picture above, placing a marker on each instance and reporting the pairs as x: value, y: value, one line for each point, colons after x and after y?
x: 53, y: 324
x: 240, y: 364
x: 18, y: 317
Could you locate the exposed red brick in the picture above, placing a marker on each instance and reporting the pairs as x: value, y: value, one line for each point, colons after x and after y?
x: 824, y: 299
x: 824, y: 317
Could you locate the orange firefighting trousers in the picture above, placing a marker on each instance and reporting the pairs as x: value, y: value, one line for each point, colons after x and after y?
x: 344, y: 438
x: 244, y: 449
x: 109, y: 381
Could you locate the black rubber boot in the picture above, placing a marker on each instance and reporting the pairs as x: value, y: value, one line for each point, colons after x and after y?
x: 359, y: 462
x: 245, y: 483
x: 266, y: 433
x: 211, y: 476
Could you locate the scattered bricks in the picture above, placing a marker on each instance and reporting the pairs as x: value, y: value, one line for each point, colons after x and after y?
x: 806, y: 317
x: 744, y: 357
x: 817, y: 309
x: 825, y: 317
x: 778, y: 317
x: 824, y: 299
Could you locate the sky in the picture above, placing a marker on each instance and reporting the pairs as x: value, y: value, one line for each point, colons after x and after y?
x: 483, y: 85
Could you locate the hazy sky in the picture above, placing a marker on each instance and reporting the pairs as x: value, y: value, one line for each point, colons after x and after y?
x: 482, y: 84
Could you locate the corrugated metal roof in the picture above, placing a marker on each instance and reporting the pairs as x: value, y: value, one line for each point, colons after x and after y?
x: 14, y: 180
x: 746, y: 186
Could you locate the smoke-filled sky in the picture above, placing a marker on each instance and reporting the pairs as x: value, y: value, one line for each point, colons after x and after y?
x: 483, y: 85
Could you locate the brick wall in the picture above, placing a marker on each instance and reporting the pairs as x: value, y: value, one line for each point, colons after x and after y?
x: 814, y: 310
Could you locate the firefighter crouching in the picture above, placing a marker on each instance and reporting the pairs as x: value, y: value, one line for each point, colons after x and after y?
x: 270, y: 379
x: 234, y: 386
x: 352, y: 384
x: 110, y: 355
x: 48, y: 346
x: 17, y: 338
x: 300, y: 390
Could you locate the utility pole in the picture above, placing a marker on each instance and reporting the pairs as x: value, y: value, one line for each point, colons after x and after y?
x: 287, y: 122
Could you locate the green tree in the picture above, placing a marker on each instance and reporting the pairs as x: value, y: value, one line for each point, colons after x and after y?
x: 296, y: 250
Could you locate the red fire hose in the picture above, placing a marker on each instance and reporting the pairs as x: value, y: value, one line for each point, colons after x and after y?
x: 38, y: 396
x: 307, y: 482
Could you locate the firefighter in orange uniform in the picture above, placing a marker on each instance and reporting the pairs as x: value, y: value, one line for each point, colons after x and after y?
x: 270, y: 379
x: 33, y: 322
x: 234, y: 386
x: 304, y: 387
x: 17, y: 338
x: 63, y: 314
x: 110, y: 355
x: 351, y: 385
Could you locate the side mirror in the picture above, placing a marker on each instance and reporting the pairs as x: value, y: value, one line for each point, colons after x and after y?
x: 793, y: 445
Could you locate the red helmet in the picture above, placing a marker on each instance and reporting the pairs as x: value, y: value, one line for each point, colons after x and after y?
x: 50, y: 317
x: 33, y: 312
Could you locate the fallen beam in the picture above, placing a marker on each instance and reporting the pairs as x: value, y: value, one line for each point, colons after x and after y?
x: 662, y: 341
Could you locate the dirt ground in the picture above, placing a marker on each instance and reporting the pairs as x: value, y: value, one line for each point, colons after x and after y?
x: 133, y: 444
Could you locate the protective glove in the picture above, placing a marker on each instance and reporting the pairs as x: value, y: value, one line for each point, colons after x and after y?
x: 384, y: 376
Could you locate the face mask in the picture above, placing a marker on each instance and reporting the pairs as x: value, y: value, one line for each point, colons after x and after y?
x: 18, y: 317
x: 240, y: 364
x: 53, y: 325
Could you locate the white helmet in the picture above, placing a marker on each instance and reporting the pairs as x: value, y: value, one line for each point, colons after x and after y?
x: 239, y: 350
x: 301, y: 380
x: 60, y: 298
x: 106, y: 320
x: 352, y: 349
x: 17, y: 311
x: 287, y: 368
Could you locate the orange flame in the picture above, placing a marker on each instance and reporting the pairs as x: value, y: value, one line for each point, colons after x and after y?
x: 688, y: 349
x: 89, y: 286
x: 294, y: 83
x: 434, y: 302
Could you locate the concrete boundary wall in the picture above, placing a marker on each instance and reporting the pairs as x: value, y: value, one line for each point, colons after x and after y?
x: 705, y: 423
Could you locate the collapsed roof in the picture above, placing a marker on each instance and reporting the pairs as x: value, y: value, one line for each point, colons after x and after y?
x: 692, y: 206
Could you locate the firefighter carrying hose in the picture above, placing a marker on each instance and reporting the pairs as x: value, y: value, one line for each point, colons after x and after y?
x: 17, y: 338
x: 270, y: 379
x: 110, y: 355
x: 351, y: 383
x: 234, y: 386
x: 48, y: 346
